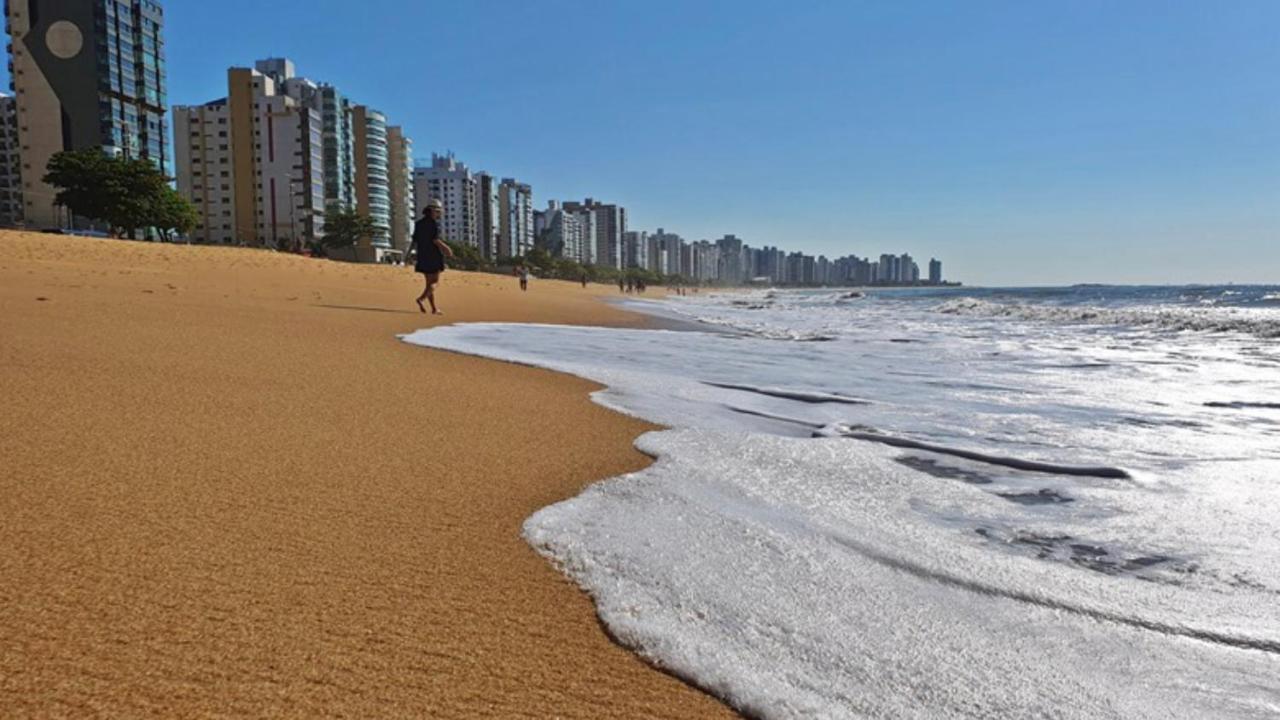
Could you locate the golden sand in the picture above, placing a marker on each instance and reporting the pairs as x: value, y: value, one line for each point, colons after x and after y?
x: 226, y: 489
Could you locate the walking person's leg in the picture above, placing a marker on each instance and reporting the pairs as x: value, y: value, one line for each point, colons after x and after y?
x: 426, y: 292
x: 430, y: 292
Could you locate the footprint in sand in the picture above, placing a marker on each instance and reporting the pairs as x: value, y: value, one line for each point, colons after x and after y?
x: 149, y: 292
x: 42, y: 299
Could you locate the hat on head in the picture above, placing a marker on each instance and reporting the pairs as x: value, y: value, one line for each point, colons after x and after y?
x: 433, y: 203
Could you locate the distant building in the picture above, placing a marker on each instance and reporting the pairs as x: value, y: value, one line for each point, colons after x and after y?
x: 669, y: 248
x: 373, y: 186
x: 400, y: 187
x: 732, y: 269
x: 563, y: 234
x: 610, y: 225
x: 636, y: 249
x: 488, y: 210
x: 11, y: 214
x: 935, y: 272
x: 339, y: 150
x: 656, y: 254
x: 453, y: 184
x: 515, y: 218
x: 87, y: 74
x: 704, y: 261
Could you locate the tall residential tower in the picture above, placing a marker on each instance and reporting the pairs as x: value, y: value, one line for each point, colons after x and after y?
x: 86, y: 74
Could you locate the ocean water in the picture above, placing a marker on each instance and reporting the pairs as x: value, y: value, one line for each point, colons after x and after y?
x: 937, y: 503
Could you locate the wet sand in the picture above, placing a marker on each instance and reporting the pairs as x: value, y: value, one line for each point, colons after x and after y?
x: 226, y: 489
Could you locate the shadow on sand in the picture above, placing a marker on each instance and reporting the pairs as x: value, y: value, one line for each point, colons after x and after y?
x: 367, y: 309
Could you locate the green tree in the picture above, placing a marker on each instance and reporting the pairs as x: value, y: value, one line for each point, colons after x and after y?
x: 126, y: 194
x: 466, y: 257
x: 174, y: 214
x: 344, y: 228
x: 85, y: 182
x: 138, y: 193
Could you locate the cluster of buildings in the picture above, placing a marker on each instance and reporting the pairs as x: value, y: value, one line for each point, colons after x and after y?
x: 730, y: 261
x: 267, y: 162
x: 264, y: 164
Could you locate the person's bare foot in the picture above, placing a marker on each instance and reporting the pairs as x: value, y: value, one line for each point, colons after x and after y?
x: 420, y: 307
x: 437, y: 312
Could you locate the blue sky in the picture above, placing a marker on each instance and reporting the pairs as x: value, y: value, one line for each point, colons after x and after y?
x: 1021, y: 142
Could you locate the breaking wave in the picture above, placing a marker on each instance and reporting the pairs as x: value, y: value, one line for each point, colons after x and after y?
x: 1176, y: 319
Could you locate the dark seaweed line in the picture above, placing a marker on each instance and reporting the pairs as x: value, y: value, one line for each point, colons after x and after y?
x: 812, y: 398
x: 1016, y: 464
x: 1244, y: 643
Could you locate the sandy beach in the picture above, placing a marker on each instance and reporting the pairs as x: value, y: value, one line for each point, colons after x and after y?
x: 227, y: 489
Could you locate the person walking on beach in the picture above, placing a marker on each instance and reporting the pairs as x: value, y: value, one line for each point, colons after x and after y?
x: 523, y: 272
x: 584, y: 280
x: 432, y: 251
x: 622, y: 284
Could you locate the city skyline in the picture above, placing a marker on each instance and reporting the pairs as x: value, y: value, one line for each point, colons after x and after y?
x: 1130, y: 144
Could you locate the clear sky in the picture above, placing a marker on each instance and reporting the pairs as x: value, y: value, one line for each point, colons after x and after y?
x: 1021, y: 142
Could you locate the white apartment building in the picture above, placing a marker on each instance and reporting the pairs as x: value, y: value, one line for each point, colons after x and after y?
x: 610, y: 224
x: 452, y: 183
x: 566, y: 234
x: 202, y: 156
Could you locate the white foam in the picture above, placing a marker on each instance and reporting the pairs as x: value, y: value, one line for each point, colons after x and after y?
x: 1260, y: 324
x: 801, y: 577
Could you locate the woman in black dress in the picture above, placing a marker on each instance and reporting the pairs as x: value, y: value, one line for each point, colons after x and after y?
x: 432, y: 251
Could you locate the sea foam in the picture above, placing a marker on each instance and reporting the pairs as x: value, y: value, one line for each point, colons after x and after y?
x: 802, y: 576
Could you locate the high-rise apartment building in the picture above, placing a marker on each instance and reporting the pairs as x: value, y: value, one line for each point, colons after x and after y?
x: 339, y: 151
x: 11, y: 214
x: 488, y: 212
x: 588, y: 224
x: 372, y: 183
x: 611, y: 224
x: 636, y: 249
x: 669, y: 245
x: 86, y: 74
x: 515, y: 218
x: 400, y: 184
x: 732, y: 268
x: 253, y: 163
x: 563, y: 234
x: 935, y: 272
x: 453, y: 184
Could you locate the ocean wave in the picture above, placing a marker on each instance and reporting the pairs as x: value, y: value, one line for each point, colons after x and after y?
x: 891, y: 567
x: 766, y: 332
x: 1178, y: 319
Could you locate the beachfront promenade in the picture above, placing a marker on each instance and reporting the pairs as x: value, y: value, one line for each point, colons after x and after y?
x: 228, y: 489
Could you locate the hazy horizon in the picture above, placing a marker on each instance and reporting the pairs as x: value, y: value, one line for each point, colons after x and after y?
x: 1021, y: 144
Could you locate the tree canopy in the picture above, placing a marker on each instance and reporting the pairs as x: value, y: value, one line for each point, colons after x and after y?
x: 344, y: 228
x: 127, y: 194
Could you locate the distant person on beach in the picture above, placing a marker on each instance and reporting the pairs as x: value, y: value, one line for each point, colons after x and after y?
x: 622, y: 284
x: 584, y: 280
x: 523, y: 272
x: 432, y: 251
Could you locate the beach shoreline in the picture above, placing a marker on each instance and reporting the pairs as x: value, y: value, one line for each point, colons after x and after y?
x: 232, y: 491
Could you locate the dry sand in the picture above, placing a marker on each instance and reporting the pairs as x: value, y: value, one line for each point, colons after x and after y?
x: 226, y: 489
